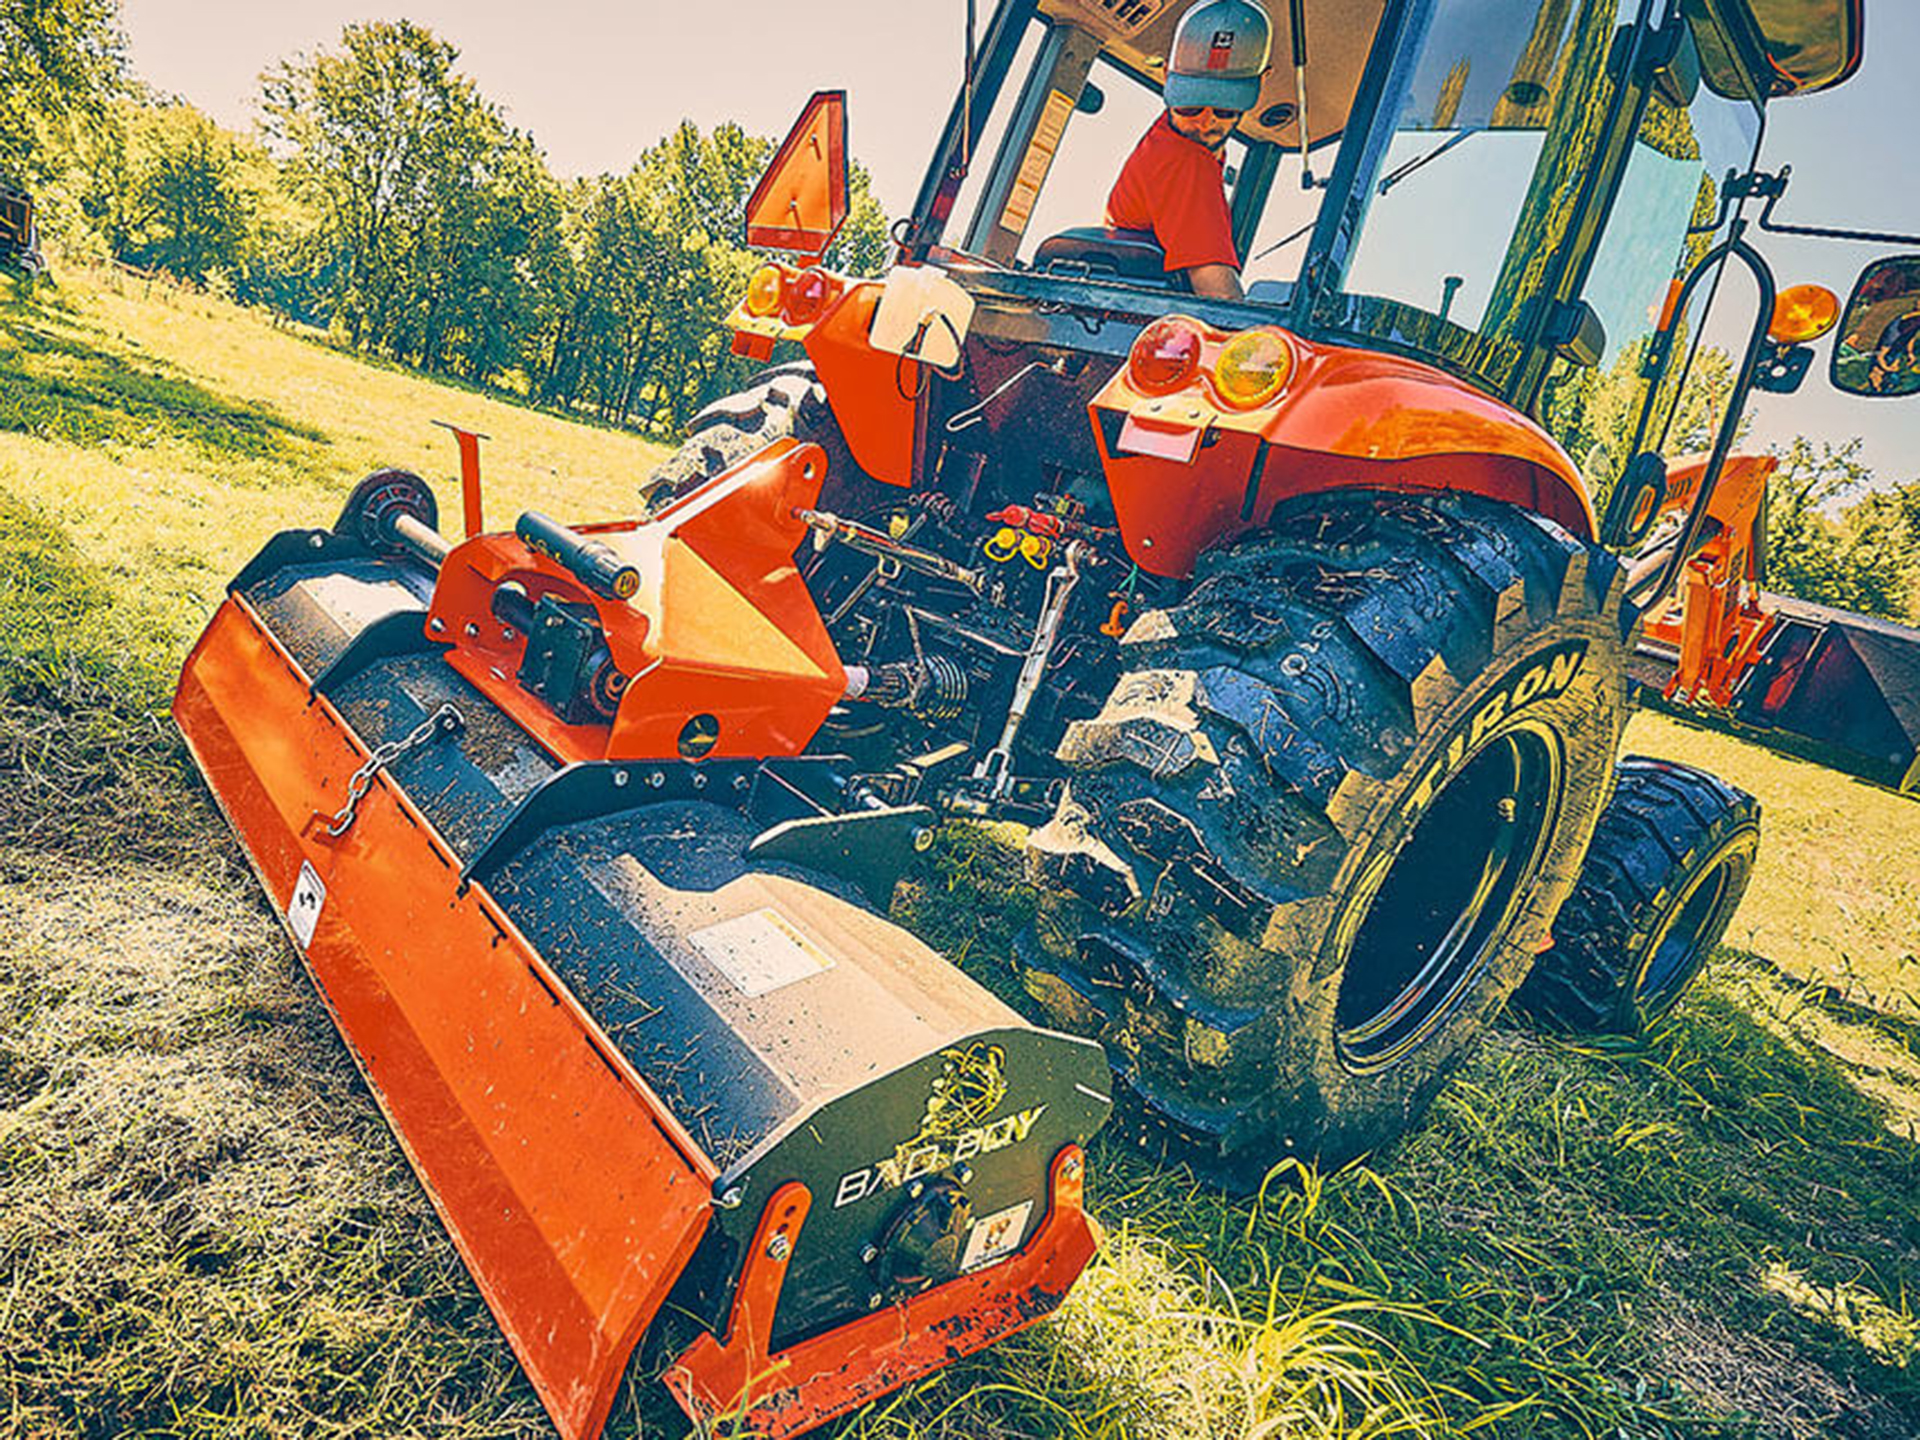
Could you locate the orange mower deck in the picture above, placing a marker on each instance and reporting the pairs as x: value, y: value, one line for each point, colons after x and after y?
x: 633, y: 1021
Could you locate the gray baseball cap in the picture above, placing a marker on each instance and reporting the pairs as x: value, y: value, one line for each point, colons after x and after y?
x: 1218, y: 55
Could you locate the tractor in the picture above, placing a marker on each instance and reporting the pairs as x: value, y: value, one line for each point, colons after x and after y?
x: 19, y: 234
x: 1286, y: 629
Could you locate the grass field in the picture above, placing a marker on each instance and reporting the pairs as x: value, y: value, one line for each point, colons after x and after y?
x: 206, y: 1230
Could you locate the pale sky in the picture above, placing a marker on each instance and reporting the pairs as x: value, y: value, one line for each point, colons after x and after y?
x: 597, y: 83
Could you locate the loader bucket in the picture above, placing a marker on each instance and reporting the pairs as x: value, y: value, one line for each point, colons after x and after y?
x: 1836, y: 687
x: 632, y: 1040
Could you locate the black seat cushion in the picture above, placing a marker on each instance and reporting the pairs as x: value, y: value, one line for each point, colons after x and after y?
x: 1129, y: 254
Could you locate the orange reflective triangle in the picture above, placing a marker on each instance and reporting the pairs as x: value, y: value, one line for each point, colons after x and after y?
x: 801, y: 202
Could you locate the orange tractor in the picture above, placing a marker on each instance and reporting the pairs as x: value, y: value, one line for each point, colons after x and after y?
x: 1286, y: 627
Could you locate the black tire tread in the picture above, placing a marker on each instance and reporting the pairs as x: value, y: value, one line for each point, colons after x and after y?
x: 1667, y: 824
x: 782, y: 401
x: 1252, y: 741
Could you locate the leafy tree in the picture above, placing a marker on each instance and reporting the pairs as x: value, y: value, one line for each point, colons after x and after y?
x: 389, y: 144
x: 1867, y: 558
x: 1594, y: 414
x: 182, y: 195
x: 60, y: 62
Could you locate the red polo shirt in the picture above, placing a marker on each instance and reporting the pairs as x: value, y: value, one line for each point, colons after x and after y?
x: 1175, y: 187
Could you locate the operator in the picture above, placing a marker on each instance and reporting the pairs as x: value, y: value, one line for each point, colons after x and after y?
x: 1174, y: 182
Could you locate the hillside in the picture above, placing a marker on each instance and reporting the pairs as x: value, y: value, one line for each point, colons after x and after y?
x: 206, y: 1229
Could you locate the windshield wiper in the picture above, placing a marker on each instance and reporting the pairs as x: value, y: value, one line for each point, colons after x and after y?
x: 1387, y: 182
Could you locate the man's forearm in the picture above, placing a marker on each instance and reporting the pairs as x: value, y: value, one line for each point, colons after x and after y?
x: 1216, y: 282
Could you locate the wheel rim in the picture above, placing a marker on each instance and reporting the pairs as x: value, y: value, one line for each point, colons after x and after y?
x: 1442, y: 905
x: 1676, y: 951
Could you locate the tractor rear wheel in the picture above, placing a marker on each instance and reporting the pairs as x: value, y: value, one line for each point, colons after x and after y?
x: 785, y: 400
x: 1668, y: 866
x: 1322, y: 825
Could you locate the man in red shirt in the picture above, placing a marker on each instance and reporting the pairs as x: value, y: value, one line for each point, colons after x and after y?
x: 1173, y: 184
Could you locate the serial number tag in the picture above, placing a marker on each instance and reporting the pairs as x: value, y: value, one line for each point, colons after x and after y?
x: 1138, y: 438
x: 303, y: 910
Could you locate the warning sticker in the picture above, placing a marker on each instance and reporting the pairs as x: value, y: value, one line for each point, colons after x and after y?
x: 996, y: 1236
x: 760, y: 952
x: 1033, y: 170
x: 303, y: 910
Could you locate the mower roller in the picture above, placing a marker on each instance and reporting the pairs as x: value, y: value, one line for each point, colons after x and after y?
x: 1286, y: 627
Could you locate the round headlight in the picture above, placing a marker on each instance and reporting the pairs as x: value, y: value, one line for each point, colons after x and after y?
x: 1253, y: 368
x: 1165, y: 356
x: 765, y: 289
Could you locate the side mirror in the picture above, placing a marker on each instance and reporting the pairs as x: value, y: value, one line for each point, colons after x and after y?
x: 801, y: 202
x: 1878, y: 351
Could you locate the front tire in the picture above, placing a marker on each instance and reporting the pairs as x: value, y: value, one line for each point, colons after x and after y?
x: 785, y: 400
x: 1669, y: 864
x: 1320, y: 829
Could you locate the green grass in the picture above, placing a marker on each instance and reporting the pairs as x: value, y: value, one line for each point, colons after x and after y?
x: 206, y: 1230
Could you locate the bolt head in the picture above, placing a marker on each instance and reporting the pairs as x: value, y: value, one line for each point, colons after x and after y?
x: 779, y: 1248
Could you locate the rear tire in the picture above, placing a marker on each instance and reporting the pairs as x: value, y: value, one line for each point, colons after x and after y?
x: 1668, y: 866
x: 1318, y: 832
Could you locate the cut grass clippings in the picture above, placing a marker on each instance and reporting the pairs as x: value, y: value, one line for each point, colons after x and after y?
x: 208, y: 1231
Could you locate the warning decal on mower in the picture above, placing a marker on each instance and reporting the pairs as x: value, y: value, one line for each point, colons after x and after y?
x: 994, y: 1237
x: 760, y: 952
x: 303, y: 910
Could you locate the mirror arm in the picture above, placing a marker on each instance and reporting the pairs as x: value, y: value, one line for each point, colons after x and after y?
x: 1737, y: 248
x: 1778, y: 187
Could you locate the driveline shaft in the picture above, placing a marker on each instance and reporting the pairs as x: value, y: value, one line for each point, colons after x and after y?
x: 590, y: 562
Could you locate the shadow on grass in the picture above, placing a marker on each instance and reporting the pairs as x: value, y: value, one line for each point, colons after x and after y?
x: 65, y: 380
x: 1710, y: 1232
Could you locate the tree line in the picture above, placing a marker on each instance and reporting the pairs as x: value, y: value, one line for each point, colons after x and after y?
x: 385, y: 199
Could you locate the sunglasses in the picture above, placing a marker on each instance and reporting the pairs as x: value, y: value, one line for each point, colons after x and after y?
x: 1194, y: 112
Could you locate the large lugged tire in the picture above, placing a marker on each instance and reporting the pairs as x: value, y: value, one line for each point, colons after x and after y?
x: 786, y: 400
x: 1668, y: 865
x: 1322, y: 825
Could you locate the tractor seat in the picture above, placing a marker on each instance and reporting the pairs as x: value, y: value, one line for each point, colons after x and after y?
x: 1131, y: 255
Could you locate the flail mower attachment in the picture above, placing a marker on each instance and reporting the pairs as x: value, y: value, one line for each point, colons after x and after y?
x: 601, y: 939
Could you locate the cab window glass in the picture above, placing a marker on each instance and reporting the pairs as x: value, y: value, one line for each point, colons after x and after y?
x: 1668, y: 214
x: 1089, y: 155
x: 1500, y: 108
